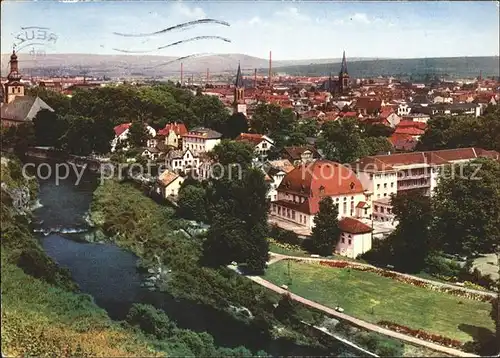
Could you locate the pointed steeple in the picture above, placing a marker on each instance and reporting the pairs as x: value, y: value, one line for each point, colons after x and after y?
x: 343, y: 68
x: 239, y: 78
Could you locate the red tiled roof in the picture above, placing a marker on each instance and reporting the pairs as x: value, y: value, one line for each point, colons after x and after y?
x: 401, y: 141
x: 348, y: 114
x: 250, y: 137
x: 353, y: 226
x: 178, y: 128
x: 409, y: 130
x: 167, y: 177
x: 119, y: 129
x: 321, y: 178
x: 409, y: 123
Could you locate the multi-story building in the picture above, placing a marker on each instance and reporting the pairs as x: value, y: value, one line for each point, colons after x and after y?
x: 200, y: 140
x: 386, y: 175
x: 301, y: 190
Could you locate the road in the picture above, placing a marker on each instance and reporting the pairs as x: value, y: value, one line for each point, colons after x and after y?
x: 278, y: 257
x: 360, y: 323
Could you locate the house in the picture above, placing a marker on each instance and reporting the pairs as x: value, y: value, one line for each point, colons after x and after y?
x: 261, y: 143
x: 403, y: 109
x: 389, y: 117
x: 298, y: 155
x: 301, y: 190
x: 181, y: 161
x: 121, y: 137
x: 200, y: 140
x: 173, y: 134
x: 414, y: 132
x: 355, y: 238
x: 276, y: 170
x: 168, y: 184
x: 151, y: 153
x: 368, y: 105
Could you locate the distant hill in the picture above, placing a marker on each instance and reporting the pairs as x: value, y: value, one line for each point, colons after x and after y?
x: 145, y: 65
x: 452, y: 67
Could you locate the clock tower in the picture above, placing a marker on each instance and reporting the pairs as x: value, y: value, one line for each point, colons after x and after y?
x: 13, y: 87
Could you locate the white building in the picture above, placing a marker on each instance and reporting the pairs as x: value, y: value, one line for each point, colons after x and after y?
x: 121, y: 136
x: 169, y: 184
x: 200, y: 140
x: 261, y: 143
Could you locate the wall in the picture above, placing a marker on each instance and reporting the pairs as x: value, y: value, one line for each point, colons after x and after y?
x: 360, y: 243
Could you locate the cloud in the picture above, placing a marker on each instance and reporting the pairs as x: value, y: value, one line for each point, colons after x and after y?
x: 254, y: 20
x: 188, y: 12
x: 292, y: 13
x: 361, y: 18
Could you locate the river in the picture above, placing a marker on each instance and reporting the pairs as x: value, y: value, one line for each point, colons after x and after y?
x: 109, y: 273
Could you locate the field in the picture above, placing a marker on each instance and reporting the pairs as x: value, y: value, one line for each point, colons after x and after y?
x: 374, y: 298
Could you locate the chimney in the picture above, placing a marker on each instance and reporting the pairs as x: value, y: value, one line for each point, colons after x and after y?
x: 270, y: 67
x: 182, y: 73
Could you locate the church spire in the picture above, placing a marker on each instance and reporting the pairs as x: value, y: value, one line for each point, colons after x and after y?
x: 14, y: 74
x: 343, y: 68
x: 239, y: 78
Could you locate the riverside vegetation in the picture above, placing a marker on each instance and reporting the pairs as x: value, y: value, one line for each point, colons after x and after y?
x: 44, y: 314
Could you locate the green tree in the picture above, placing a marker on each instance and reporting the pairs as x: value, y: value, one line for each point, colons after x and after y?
x: 192, y: 204
x: 238, y: 215
x: 326, y: 232
x: 19, y: 137
x: 138, y: 134
x: 466, y: 208
x: 49, y: 127
x: 410, y: 243
x: 286, y: 311
x: 235, y: 125
x: 230, y: 152
x: 378, y: 145
x: 78, y: 138
x: 342, y: 141
x: 210, y: 111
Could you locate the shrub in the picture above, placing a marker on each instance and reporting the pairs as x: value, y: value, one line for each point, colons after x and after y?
x: 150, y: 320
x: 438, y: 265
x: 284, y: 236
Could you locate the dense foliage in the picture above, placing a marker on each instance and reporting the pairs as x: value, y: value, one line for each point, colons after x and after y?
x: 325, y: 232
x: 84, y: 123
x: 463, y: 131
x: 346, y: 141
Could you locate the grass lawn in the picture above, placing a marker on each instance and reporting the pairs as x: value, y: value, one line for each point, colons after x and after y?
x: 292, y: 251
x: 357, y: 292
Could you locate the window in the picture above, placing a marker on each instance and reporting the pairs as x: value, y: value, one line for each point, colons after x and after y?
x: 345, y: 198
x: 376, y: 207
x: 344, y: 208
x: 343, y: 240
x: 350, y: 241
x: 293, y: 214
x: 382, y: 209
x: 385, y: 194
x: 392, y: 185
x: 378, y: 186
x: 385, y: 186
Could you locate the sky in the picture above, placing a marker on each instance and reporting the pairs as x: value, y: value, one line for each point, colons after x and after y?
x: 291, y: 29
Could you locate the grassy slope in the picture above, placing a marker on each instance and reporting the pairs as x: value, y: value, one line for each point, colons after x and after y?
x: 408, y: 305
x: 39, y: 319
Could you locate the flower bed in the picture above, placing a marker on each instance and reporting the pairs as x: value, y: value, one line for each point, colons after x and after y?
x: 409, y: 280
x: 418, y: 333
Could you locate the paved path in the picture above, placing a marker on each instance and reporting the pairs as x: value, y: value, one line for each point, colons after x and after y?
x: 360, y: 323
x: 278, y: 257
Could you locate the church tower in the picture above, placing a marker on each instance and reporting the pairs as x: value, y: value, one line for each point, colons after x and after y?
x: 13, y: 87
x: 239, y: 94
x: 344, y: 83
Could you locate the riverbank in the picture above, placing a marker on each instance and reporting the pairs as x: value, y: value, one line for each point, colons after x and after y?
x: 43, y: 314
